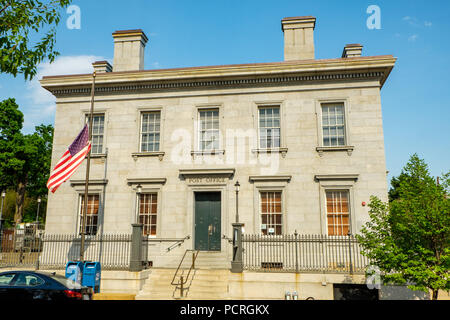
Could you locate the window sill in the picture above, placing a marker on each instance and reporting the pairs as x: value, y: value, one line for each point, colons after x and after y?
x: 159, y: 154
x: 321, y: 150
x: 207, y: 152
x: 98, y: 155
x: 283, y: 151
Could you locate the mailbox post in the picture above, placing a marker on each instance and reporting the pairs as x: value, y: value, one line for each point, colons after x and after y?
x: 92, y: 276
x: 74, y: 271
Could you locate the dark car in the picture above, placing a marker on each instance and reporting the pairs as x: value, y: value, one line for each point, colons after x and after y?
x: 29, y: 285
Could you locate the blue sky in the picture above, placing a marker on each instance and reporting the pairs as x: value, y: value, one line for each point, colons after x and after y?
x: 415, y: 99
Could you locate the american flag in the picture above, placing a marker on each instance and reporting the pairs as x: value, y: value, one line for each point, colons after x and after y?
x: 70, y: 160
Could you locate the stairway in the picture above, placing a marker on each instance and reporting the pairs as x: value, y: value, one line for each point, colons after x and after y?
x: 203, y: 284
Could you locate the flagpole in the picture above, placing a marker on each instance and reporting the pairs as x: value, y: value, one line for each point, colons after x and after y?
x: 88, y: 165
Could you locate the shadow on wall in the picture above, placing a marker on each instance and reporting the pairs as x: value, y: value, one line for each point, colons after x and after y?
x: 402, y: 293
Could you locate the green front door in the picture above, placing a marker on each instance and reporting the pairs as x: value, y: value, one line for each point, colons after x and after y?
x: 207, y: 221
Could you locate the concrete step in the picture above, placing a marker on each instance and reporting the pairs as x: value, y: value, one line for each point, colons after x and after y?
x: 204, y: 284
x: 113, y: 296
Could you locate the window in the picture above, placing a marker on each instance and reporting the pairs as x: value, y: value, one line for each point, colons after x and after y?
x: 333, y: 125
x: 92, y: 214
x: 5, y: 279
x: 271, y: 214
x: 209, y: 130
x: 98, y: 128
x: 148, y: 208
x: 28, y: 280
x: 269, y: 127
x: 150, y: 131
x: 337, y: 213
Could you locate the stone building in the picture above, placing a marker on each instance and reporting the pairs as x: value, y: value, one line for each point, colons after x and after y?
x: 304, y: 138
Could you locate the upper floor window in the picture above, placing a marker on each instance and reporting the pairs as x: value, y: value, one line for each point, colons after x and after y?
x: 150, y: 131
x: 98, y: 129
x: 208, y: 129
x: 333, y: 125
x: 93, y: 207
x: 269, y: 127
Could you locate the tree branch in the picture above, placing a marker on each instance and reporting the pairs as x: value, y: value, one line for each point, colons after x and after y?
x: 6, y: 7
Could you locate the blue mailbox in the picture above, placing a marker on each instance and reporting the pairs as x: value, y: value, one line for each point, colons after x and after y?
x: 74, y: 271
x: 92, y: 275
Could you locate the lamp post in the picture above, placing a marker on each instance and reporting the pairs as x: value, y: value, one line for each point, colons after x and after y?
x: 37, y: 212
x: 138, y: 200
x: 1, y: 211
x: 237, y: 264
x: 136, y: 259
x: 236, y: 186
x: 1, y: 220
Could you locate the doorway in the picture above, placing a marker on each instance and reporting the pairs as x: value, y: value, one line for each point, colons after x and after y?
x: 207, y: 221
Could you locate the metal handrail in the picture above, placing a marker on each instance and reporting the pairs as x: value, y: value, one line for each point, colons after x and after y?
x: 183, y: 280
x: 230, y: 240
x: 178, y: 243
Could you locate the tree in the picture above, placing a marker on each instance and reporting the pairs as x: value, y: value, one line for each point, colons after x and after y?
x: 24, y: 159
x: 393, y: 193
x: 20, y: 23
x: 409, y: 238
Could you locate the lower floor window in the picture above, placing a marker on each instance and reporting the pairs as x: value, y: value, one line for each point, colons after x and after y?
x: 93, y: 205
x: 148, y: 207
x: 271, y: 214
x: 337, y: 213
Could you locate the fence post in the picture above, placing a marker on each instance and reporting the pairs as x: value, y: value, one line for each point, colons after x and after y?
x: 237, y: 265
x: 350, y: 252
x: 136, y: 248
x: 296, y: 251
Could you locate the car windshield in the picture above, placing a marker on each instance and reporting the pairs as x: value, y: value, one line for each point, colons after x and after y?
x: 65, y: 281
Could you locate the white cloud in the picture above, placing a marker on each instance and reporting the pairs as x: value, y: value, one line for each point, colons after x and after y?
x: 61, y: 66
x: 41, y: 108
x: 413, y: 21
x: 413, y: 38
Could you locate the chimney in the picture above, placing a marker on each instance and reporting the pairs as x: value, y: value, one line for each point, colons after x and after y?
x: 298, y: 37
x: 352, y: 50
x: 129, y: 48
x: 102, y: 66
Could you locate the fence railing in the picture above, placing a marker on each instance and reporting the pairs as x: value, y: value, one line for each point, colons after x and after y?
x: 303, y: 253
x: 53, y: 251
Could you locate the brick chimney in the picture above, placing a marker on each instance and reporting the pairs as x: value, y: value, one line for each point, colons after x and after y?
x: 298, y: 37
x: 129, y: 48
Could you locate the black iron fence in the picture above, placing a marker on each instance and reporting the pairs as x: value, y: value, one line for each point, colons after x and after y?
x: 303, y: 253
x: 53, y: 251
x: 111, y: 250
x: 285, y: 253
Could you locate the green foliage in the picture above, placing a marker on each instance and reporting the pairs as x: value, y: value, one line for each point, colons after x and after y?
x: 21, y: 22
x: 24, y: 159
x: 42, y: 139
x: 395, y: 183
x: 409, y: 238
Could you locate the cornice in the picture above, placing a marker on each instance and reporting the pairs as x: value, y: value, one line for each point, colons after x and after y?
x: 225, y: 76
x: 228, y: 172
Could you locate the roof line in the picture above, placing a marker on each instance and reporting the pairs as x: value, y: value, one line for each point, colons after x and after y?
x: 299, y: 62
